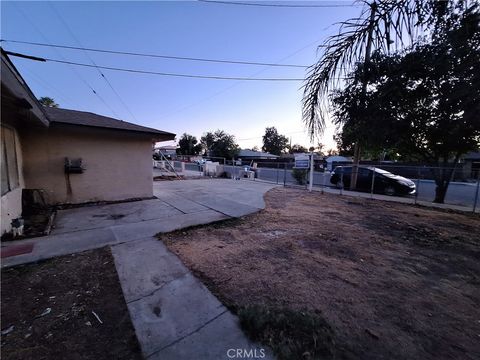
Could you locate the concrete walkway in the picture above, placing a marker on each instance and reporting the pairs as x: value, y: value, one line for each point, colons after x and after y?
x: 175, y: 316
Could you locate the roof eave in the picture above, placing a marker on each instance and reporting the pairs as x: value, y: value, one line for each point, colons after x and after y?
x: 165, y: 136
x: 14, y: 82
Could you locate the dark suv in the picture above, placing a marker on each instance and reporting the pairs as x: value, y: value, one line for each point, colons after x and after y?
x: 384, y: 183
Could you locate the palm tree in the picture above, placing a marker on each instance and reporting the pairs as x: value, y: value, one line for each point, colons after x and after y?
x: 48, y: 102
x: 382, y: 25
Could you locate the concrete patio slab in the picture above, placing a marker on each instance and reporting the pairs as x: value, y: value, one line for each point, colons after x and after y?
x: 230, y: 197
x: 130, y: 232
x: 93, y: 217
x: 175, y: 316
x: 182, y: 203
x: 62, y: 244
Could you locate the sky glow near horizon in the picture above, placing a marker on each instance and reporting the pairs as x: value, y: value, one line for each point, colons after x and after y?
x: 178, y: 28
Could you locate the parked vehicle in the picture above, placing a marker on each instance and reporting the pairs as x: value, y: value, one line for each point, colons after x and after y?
x: 384, y: 182
x: 200, y: 161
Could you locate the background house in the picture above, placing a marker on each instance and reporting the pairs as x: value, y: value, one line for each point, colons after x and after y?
x: 73, y: 156
x: 169, y: 151
x: 471, y: 165
x: 248, y: 155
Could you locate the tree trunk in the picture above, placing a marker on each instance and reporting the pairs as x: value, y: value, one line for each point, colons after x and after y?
x: 443, y: 177
x: 440, y: 192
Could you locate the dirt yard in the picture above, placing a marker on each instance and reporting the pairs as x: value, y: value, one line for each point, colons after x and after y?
x: 48, y: 310
x: 394, y: 281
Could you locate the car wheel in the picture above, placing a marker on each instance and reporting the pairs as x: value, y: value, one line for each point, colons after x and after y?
x: 389, y: 190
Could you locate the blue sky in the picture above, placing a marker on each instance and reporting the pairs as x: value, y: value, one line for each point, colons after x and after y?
x: 179, y: 28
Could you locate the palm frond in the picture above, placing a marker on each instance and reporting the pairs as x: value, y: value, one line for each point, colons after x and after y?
x: 395, y: 22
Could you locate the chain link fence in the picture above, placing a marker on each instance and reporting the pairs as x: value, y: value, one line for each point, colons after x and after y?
x: 408, y: 184
x: 403, y: 183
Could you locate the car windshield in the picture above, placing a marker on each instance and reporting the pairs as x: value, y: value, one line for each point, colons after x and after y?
x: 384, y: 172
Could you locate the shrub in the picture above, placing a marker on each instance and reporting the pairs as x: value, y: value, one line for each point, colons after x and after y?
x: 291, y: 334
x: 300, y: 175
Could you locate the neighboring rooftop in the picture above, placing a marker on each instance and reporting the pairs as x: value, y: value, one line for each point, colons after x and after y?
x: 472, y: 155
x: 246, y: 153
x: 83, y: 118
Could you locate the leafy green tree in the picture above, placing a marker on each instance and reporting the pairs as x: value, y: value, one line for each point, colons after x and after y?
x: 295, y: 149
x: 383, y: 25
x: 273, y: 142
x: 423, y: 104
x: 188, y: 145
x: 219, y: 144
x: 48, y: 102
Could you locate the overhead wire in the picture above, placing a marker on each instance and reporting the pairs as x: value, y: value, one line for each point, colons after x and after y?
x: 93, y: 62
x: 148, y: 72
x: 239, y: 82
x: 278, y: 5
x: 173, y: 57
x: 60, y: 54
x: 47, y: 86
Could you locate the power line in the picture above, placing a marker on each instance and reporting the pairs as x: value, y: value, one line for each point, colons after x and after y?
x: 237, y: 83
x: 278, y: 5
x: 152, y: 72
x: 254, y: 74
x: 93, y: 62
x: 60, y: 54
x: 156, y: 55
x: 48, y: 86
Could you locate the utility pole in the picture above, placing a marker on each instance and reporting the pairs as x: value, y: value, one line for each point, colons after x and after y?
x: 357, y: 150
x: 310, y: 183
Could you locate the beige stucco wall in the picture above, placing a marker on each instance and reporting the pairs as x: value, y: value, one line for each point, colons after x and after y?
x: 118, y: 164
x: 11, y: 202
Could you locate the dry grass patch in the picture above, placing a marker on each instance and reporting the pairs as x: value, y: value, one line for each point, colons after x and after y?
x: 392, y: 280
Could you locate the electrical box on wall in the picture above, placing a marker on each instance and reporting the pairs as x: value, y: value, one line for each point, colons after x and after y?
x: 73, y: 166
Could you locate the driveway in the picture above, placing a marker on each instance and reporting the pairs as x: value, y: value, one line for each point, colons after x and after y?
x: 179, y: 204
x: 232, y: 198
x: 175, y: 316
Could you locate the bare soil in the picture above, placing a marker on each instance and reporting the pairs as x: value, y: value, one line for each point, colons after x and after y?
x: 394, y: 281
x: 47, y: 310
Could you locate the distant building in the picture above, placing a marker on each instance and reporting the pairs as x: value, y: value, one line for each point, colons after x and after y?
x: 336, y: 160
x: 169, y: 151
x: 246, y: 154
x: 71, y: 156
x: 471, y: 165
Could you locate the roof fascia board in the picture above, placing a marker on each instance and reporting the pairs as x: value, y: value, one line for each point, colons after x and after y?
x: 12, y: 80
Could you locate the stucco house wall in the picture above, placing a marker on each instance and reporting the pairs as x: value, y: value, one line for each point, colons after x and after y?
x: 117, y: 164
x: 11, y: 202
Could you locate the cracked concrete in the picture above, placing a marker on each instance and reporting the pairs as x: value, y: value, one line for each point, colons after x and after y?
x: 173, y: 312
x: 175, y: 316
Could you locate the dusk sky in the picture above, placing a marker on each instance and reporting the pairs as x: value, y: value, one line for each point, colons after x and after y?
x: 176, y: 28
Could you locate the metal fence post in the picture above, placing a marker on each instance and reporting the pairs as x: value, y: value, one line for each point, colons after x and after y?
x: 341, y: 182
x: 476, y: 193
x: 373, y: 183
x: 278, y: 167
x: 324, y: 181
x: 234, y: 175
x: 418, y: 185
x: 284, y: 174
